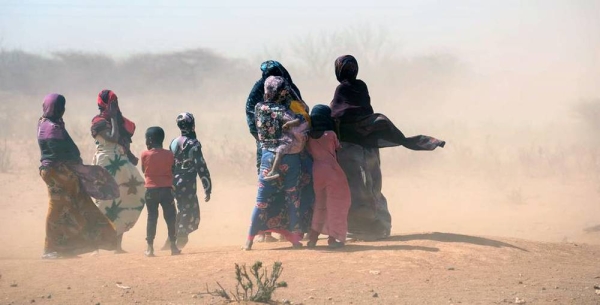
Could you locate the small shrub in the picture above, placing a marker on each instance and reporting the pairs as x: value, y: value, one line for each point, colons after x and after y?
x: 257, y: 285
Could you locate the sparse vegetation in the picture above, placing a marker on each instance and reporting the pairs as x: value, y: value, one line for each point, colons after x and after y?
x: 258, y: 285
x: 255, y: 285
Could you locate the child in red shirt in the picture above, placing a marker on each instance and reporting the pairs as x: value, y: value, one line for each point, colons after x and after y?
x: 157, y: 166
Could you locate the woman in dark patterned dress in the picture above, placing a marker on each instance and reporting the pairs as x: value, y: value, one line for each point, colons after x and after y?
x: 189, y: 163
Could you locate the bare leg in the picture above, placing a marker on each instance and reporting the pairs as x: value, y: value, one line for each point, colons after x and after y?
x: 119, y: 249
x: 248, y: 245
x: 273, y: 172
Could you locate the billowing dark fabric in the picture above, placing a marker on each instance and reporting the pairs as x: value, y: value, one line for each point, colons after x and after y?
x: 351, y: 107
x: 377, y: 131
x: 268, y: 68
x: 362, y: 132
x: 351, y: 100
x: 369, y: 217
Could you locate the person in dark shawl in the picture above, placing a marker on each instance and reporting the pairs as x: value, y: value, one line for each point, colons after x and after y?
x: 112, y: 133
x: 74, y: 225
x: 268, y: 68
x: 362, y: 132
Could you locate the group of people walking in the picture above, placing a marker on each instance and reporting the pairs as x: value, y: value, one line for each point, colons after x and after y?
x: 75, y: 223
x: 318, y: 170
x: 328, y: 176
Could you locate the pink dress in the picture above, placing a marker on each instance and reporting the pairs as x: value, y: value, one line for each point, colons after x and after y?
x: 332, y: 194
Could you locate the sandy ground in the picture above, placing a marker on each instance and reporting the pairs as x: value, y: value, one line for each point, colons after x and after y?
x: 561, y: 267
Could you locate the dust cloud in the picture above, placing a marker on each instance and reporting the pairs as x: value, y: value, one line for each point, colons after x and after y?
x: 522, y: 160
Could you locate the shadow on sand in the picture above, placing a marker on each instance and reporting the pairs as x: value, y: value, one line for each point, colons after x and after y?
x: 454, y: 238
x: 357, y: 248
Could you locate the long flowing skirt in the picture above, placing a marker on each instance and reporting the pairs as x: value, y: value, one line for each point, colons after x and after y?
x: 74, y: 224
x: 332, y: 201
x: 125, y: 210
x: 278, y: 205
x: 188, y: 207
x: 368, y: 217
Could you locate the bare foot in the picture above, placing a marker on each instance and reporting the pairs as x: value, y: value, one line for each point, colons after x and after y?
x: 247, y: 246
x: 50, y: 255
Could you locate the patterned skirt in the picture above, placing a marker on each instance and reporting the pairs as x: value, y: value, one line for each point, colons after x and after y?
x: 188, y: 207
x: 125, y: 210
x: 74, y: 224
x: 278, y: 205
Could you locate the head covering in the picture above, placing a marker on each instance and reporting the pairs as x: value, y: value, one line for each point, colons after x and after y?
x: 107, y: 98
x: 155, y: 134
x: 55, y: 143
x: 351, y: 98
x: 54, y: 107
x: 187, y: 124
x: 108, y: 104
x: 320, y: 117
x: 346, y: 68
x: 275, y: 68
x: 274, y: 85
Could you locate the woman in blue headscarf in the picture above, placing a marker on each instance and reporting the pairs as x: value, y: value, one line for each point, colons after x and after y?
x: 274, y: 68
x: 257, y: 94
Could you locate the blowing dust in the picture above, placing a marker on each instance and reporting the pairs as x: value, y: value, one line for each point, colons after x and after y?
x: 522, y: 159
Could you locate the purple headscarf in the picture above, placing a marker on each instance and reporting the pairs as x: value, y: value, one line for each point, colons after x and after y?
x: 51, y: 125
x: 58, y: 148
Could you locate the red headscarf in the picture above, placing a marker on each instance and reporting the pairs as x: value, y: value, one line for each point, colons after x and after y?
x: 108, y: 104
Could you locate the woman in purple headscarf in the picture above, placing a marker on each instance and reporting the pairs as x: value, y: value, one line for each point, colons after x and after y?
x: 74, y: 225
x: 362, y: 132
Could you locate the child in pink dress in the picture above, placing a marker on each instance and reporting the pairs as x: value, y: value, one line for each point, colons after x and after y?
x: 332, y: 193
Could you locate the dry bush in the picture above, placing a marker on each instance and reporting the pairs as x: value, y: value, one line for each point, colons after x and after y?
x: 257, y: 284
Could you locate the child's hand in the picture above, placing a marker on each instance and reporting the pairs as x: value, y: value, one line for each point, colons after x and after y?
x: 286, y: 126
x: 207, y: 198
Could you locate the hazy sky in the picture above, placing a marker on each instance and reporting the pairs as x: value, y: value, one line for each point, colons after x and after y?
x: 239, y: 26
x: 543, y: 34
